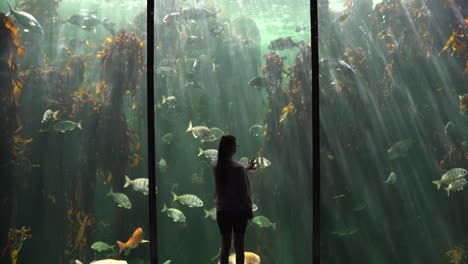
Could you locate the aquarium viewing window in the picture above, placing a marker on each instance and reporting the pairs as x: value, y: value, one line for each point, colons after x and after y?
x: 112, y: 113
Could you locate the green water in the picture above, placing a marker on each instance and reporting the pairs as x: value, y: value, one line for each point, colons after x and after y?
x: 56, y: 183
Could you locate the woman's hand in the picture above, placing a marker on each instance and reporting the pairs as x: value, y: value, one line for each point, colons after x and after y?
x: 252, y: 164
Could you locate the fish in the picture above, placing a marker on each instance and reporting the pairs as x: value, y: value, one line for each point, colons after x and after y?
x: 26, y: 20
x: 192, y: 39
x: 64, y: 126
x: 399, y: 149
x: 210, y: 213
x: 49, y: 115
x: 345, y: 232
x: 105, y: 261
x: 260, y: 82
x: 456, y: 185
x: 139, y: 185
x: 170, y: 18
x: 262, y: 221
x: 167, y: 138
x: 464, y: 105
x: 217, y: 132
x: 332, y: 67
x: 162, y: 165
x: 262, y: 162
x: 167, y: 261
x: 256, y: 130
x: 300, y: 28
x: 391, y: 178
x: 121, y: 199
x: 244, y: 161
x: 216, y: 31
x: 109, y: 25
x: 101, y: 246
x: 165, y: 71
x: 338, y: 197
x: 194, y: 13
x: 175, y: 214
x: 449, y: 128
x: 86, y: 22
x: 202, y: 132
x: 209, y: 153
x: 249, y: 258
x: 188, y: 199
x: 451, y: 176
x: 284, y: 43
x: 133, y: 241
x: 170, y: 101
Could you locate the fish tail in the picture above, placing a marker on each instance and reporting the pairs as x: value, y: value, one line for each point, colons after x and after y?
x: 164, y: 99
x: 164, y: 208
x: 110, y: 192
x: 9, y: 6
x: 76, y: 261
x: 78, y: 125
x: 438, y: 183
x: 448, y: 191
x: 55, y: 114
x: 206, y: 213
x: 200, y: 152
x: 189, y: 127
x: 174, y: 197
x: 121, y: 247
x: 127, y: 181
x: 274, y: 226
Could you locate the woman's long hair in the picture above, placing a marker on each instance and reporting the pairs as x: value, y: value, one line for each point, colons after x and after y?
x: 227, y: 147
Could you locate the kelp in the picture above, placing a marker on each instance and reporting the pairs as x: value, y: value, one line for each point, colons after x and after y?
x: 457, y: 255
x: 16, y: 239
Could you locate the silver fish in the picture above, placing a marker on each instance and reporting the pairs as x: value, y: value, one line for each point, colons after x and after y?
x: 139, y: 185
x: 262, y: 221
x: 391, y: 178
x: 456, y: 185
x: 451, y: 176
x: 175, y: 214
x: 188, y: 199
x: 162, y: 165
x: 284, y: 43
x: 256, y: 130
x: 64, y: 126
x: 167, y: 138
x: 202, y: 132
x: 26, y: 20
x: 49, y: 115
x: 170, y: 101
x: 121, y: 199
x: 399, y: 149
x: 217, y: 132
x: 209, y: 153
x: 449, y: 128
x: 210, y: 213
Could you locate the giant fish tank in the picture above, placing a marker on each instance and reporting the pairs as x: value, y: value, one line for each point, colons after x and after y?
x: 74, y: 162
x: 393, y: 122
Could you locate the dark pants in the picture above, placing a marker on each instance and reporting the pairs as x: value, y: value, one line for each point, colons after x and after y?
x: 229, y: 221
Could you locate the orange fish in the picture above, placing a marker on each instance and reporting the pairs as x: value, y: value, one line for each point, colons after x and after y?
x: 464, y: 104
x: 133, y: 241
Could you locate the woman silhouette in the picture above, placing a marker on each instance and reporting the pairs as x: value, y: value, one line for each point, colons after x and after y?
x: 233, y: 198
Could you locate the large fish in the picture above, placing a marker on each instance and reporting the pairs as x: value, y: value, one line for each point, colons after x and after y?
x: 175, y: 214
x: 284, y: 43
x: 121, y: 199
x: 188, y: 199
x: 202, y: 132
x: 26, y: 20
x: 139, y: 184
x: 86, y: 22
x: 133, y: 241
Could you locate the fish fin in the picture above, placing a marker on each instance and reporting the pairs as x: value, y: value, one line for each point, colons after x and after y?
x: 274, y: 226
x: 194, y: 135
x: 55, y: 114
x: 110, y: 192
x: 144, y: 241
x: 121, y: 247
x: 189, y: 127
x: 127, y: 181
x: 438, y: 183
x: 26, y: 30
x: 164, y: 99
x: 145, y: 193
x: 78, y: 125
x: 200, y: 152
x: 164, y: 208
x: 11, y: 9
x: 448, y: 191
x: 206, y: 213
x: 76, y: 261
x: 174, y: 197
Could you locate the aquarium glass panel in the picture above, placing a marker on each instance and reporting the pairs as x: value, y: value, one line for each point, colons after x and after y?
x: 393, y: 101
x: 73, y: 138
x: 239, y: 68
